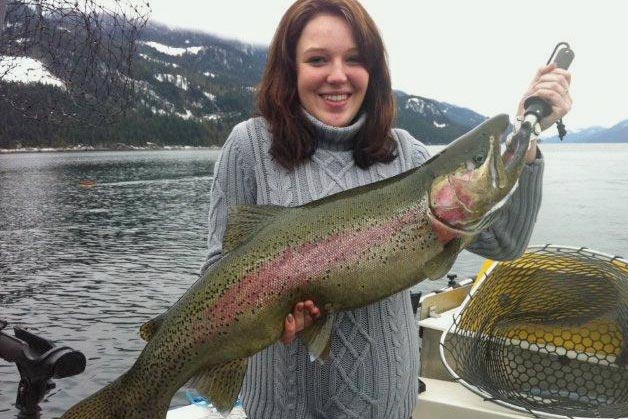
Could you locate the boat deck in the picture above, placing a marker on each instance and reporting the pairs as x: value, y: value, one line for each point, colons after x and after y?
x: 201, y: 412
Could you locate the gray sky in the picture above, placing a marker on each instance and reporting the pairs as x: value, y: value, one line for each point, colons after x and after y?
x: 480, y: 54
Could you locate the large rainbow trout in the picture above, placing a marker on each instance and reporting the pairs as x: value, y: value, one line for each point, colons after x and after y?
x: 343, y: 251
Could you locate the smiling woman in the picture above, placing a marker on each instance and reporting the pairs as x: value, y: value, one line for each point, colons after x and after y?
x: 331, y: 77
x: 323, y: 50
x: 326, y: 111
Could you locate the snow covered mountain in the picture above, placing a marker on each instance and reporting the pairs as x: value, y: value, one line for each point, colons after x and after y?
x: 431, y: 121
x: 215, y: 80
x: 191, y: 89
x: 27, y: 70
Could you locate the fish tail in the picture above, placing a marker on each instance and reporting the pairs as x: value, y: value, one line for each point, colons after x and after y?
x: 114, y: 402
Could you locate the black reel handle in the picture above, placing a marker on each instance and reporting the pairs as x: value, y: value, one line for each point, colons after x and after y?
x: 562, y: 58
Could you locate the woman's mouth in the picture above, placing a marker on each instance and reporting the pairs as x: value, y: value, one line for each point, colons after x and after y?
x: 335, y: 100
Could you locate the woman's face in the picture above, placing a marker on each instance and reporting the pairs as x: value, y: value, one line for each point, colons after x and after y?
x: 331, y: 77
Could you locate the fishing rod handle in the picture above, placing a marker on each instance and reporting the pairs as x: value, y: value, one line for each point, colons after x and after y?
x: 564, y: 57
x: 539, y: 107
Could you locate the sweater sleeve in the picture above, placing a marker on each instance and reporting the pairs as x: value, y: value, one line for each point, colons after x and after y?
x: 508, y: 237
x: 234, y: 183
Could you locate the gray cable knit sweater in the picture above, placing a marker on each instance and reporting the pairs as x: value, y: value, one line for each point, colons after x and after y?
x: 373, y: 367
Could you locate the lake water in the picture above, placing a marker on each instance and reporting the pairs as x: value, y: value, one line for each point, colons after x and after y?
x: 87, y: 266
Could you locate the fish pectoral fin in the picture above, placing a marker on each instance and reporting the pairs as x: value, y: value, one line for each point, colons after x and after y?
x: 438, y: 267
x: 221, y: 384
x: 243, y: 221
x: 149, y: 329
x: 317, y: 338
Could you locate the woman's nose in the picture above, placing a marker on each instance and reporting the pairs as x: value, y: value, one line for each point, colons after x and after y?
x: 337, y: 73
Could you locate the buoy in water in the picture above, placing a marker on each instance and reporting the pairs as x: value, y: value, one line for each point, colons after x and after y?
x: 87, y: 183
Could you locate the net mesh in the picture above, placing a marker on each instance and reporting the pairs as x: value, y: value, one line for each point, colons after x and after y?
x: 546, y: 333
x: 84, y: 48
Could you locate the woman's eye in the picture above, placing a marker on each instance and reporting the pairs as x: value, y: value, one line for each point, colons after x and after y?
x: 316, y: 60
x: 355, y: 59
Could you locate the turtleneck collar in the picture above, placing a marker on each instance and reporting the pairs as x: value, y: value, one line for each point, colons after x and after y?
x: 335, y: 138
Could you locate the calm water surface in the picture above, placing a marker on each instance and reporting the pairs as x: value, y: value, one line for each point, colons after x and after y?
x: 87, y: 266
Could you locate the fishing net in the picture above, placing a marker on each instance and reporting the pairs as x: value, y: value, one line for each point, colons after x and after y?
x: 79, y: 50
x: 546, y: 334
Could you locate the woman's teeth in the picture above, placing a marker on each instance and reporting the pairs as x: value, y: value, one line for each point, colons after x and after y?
x: 335, y: 98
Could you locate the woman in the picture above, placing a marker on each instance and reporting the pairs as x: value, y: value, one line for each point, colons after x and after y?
x: 327, y: 108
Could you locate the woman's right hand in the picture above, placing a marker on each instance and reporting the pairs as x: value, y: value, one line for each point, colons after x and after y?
x: 303, y: 314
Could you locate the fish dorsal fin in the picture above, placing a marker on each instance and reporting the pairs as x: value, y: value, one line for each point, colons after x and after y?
x: 317, y: 338
x: 438, y: 267
x: 244, y: 220
x: 221, y: 384
x: 148, y: 329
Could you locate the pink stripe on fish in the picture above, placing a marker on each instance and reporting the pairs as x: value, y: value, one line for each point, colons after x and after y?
x: 294, y: 265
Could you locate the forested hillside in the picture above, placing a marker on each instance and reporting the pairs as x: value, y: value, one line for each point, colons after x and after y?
x: 188, y: 88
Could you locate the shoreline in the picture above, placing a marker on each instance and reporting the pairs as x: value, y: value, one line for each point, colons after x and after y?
x: 77, y: 149
x: 155, y: 147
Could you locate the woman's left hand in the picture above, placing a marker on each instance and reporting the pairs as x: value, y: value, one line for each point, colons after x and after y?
x: 552, y: 84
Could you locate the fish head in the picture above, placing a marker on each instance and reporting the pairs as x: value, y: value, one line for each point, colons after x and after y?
x: 474, y: 180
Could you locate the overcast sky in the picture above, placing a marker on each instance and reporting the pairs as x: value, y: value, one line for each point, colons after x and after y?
x: 479, y: 54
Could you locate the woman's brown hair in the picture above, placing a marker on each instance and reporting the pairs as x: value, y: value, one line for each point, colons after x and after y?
x: 293, y: 138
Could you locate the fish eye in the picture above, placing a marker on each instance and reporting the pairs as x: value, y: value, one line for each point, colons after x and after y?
x: 478, y: 158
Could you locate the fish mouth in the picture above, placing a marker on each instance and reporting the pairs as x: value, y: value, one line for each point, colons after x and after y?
x: 519, y: 144
x: 506, y: 170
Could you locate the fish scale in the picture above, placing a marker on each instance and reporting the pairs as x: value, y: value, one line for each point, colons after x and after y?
x: 343, y: 251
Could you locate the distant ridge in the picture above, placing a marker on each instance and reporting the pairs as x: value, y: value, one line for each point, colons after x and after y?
x: 192, y: 88
x: 431, y: 121
x: 616, y: 134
